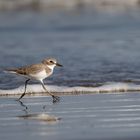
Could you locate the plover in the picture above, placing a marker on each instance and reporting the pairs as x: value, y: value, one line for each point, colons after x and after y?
x: 38, y: 72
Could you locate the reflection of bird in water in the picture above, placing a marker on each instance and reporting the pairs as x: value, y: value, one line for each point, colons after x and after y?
x: 38, y: 116
x: 25, y: 107
x: 41, y: 117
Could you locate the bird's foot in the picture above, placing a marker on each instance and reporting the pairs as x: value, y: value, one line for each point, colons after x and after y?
x: 55, y: 99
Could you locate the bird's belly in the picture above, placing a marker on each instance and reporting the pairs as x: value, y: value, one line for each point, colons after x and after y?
x: 40, y: 75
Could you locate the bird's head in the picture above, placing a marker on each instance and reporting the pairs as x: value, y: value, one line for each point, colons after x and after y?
x: 51, y: 62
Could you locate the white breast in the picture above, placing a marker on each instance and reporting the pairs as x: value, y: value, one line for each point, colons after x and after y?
x: 40, y: 75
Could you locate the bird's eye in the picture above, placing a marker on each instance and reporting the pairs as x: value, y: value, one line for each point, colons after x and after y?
x: 51, y: 61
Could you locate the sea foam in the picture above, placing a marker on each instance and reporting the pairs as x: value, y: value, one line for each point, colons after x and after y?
x: 36, y: 89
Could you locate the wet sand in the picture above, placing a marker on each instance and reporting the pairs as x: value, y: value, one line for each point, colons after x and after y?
x: 96, y: 116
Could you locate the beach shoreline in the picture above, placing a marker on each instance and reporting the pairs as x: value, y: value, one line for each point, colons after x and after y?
x: 45, y: 5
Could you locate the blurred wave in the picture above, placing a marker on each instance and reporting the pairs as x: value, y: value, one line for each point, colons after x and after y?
x: 64, y: 90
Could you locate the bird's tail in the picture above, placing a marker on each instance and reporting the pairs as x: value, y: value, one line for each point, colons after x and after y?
x: 10, y: 71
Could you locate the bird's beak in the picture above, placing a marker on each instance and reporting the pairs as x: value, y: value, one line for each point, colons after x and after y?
x: 57, y: 64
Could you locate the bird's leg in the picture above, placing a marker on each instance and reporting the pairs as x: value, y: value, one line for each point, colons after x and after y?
x: 26, y: 82
x: 55, y: 98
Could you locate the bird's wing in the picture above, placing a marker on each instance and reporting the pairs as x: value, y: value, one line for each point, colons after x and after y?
x: 27, y: 69
x: 36, y: 68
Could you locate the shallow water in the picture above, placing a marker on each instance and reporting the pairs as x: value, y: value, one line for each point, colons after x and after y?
x: 94, y: 48
x: 98, y: 116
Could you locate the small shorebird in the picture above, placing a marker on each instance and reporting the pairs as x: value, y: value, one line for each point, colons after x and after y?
x: 38, y: 72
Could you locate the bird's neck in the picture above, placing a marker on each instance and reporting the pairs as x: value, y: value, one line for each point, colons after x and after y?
x: 51, y: 67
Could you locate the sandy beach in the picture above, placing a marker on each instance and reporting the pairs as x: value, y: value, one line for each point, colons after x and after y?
x: 45, y: 5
